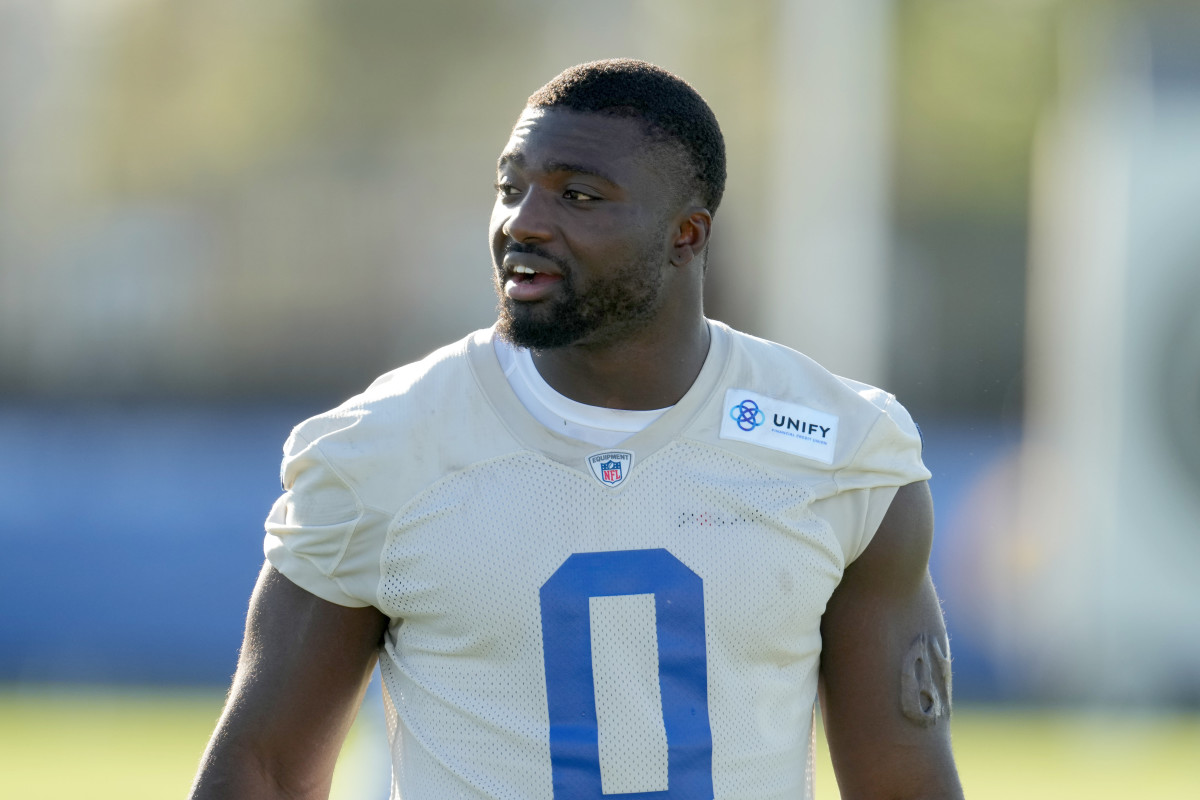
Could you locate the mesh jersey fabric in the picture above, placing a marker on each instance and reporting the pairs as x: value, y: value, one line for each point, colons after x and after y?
x: 554, y: 636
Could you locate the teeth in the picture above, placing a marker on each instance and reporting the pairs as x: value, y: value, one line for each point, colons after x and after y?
x: 523, y: 270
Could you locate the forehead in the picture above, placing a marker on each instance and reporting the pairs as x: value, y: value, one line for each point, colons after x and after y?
x: 549, y: 138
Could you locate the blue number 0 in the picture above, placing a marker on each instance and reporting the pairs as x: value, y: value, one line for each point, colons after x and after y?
x: 682, y: 669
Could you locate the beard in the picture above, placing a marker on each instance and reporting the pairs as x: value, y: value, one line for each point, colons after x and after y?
x: 610, y: 308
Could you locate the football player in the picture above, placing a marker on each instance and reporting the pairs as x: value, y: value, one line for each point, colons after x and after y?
x: 609, y: 545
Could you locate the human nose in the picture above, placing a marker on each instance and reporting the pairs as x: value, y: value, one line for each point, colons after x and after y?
x: 529, y: 218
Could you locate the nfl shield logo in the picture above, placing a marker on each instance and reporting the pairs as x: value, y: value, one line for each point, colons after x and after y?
x: 611, y: 467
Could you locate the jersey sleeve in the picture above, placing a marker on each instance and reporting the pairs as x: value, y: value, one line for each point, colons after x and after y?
x: 319, y: 534
x: 888, y: 457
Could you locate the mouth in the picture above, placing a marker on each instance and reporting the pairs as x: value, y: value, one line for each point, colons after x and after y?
x: 529, y: 279
x: 527, y: 285
x: 523, y: 274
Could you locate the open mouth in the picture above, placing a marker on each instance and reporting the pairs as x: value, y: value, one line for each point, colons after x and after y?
x: 523, y: 274
x: 525, y: 283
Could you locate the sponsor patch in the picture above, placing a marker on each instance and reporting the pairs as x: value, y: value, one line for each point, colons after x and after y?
x: 787, y: 427
x: 611, y: 467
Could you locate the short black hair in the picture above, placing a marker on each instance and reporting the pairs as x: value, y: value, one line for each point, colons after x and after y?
x: 671, y: 110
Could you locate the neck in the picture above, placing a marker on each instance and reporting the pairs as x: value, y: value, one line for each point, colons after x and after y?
x: 641, y: 372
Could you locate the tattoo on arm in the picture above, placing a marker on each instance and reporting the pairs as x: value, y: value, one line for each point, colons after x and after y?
x: 925, y: 681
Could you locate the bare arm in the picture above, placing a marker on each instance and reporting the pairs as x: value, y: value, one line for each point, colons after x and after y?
x: 885, y: 673
x: 303, y: 669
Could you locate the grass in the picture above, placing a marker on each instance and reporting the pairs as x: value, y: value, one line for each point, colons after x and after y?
x: 1038, y: 754
x: 126, y: 744
x: 144, y: 744
x: 102, y: 745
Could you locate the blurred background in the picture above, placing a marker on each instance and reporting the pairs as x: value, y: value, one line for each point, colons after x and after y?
x: 218, y: 218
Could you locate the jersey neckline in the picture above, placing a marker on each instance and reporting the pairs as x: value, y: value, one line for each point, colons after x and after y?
x: 559, y: 412
x: 531, y: 433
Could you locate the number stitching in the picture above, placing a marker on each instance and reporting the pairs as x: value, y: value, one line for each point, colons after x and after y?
x: 682, y: 669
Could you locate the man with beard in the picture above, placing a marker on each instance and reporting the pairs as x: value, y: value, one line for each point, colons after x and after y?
x: 608, y: 546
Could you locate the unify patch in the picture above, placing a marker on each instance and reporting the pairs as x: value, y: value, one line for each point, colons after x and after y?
x: 787, y: 427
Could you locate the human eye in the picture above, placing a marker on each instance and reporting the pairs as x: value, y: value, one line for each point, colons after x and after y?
x: 577, y: 194
x: 505, y: 189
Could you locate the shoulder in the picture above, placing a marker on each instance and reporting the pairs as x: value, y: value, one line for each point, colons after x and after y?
x: 393, y: 403
x: 779, y: 370
x: 863, y: 421
x: 389, y: 397
x: 408, y: 428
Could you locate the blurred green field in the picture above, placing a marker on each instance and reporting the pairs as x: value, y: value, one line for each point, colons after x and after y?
x: 142, y: 744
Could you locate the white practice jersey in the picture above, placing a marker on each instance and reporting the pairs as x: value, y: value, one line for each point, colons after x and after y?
x: 577, y: 622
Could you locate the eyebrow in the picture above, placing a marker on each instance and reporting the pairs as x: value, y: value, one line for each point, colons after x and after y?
x: 518, y: 160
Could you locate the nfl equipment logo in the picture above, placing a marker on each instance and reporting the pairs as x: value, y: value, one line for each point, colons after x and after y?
x: 611, y: 467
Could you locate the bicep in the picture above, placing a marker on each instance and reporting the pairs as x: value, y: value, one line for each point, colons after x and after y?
x: 302, y: 672
x: 885, y: 692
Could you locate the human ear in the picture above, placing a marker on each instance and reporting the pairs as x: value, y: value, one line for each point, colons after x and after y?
x: 691, y: 235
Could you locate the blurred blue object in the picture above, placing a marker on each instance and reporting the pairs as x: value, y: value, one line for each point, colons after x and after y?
x: 132, y: 538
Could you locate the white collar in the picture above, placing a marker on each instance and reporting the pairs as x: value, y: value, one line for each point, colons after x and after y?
x: 604, y: 427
